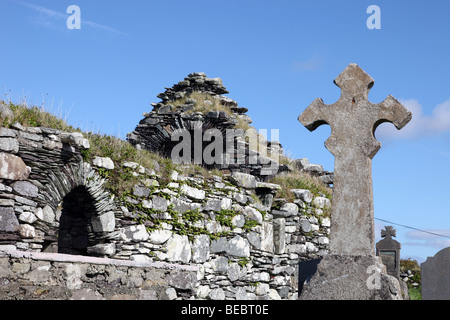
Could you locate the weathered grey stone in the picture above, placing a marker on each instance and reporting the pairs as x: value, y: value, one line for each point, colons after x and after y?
x: 298, y: 248
x: 9, y: 145
x: 103, y: 162
x: 171, y: 293
x: 305, y: 225
x: 134, y: 233
x: 290, y: 207
x: 255, y: 239
x: 13, y: 167
x: 321, y: 202
x: 8, y: 133
x: 27, y: 231
x: 435, y: 276
x: 243, y: 180
x: 105, y: 222
x: 217, y: 294
x: 25, y: 201
x: 75, y: 138
x: 220, y: 264
x: 303, y: 194
x: 280, y: 214
x: 353, y: 120
x: 178, y: 249
x: 159, y: 236
x: 347, y: 277
x: 267, y: 237
x: 25, y: 188
x: 5, y: 188
x: 182, y: 280
x: 86, y: 294
x: 279, y: 235
x: 253, y: 214
x: 8, y: 220
x: 238, y: 221
x: 219, y: 245
x: 140, y: 191
x: 73, y: 274
x: 200, y: 248
x: 180, y: 205
x: 27, y: 217
x: 266, y: 185
x: 46, y: 214
x: 102, y: 249
x: 159, y: 203
x: 239, y: 247
x: 6, y: 203
x: 202, y: 292
x: 213, y: 205
x: 240, y: 198
x: 192, y: 192
x: 235, y: 272
x: 315, y: 168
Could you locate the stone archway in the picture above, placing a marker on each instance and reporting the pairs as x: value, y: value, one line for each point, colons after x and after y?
x: 75, y: 227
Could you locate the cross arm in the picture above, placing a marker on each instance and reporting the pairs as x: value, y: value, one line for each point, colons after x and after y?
x: 391, y: 110
x: 315, y: 115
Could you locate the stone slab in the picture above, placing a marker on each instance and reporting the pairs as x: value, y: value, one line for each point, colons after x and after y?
x: 346, y: 277
x: 435, y: 276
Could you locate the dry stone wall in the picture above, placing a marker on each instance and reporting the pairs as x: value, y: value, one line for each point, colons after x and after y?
x: 30, y: 275
x: 54, y: 206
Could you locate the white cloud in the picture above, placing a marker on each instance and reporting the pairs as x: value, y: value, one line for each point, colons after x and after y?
x: 420, y: 124
x: 314, y: 63
x: 419, y: 238
x: 47, y: 14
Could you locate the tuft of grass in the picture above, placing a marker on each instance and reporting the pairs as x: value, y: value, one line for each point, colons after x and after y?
x: 415, y: 293
x: 299, y: 180
x: 203, y: 106
x: 32, y: 116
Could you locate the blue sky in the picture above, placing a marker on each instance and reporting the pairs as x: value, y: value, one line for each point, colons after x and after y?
x: 274, y: 57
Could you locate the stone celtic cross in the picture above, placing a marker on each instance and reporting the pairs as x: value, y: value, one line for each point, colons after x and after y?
x: 353, y: 120
x: 388, y: 232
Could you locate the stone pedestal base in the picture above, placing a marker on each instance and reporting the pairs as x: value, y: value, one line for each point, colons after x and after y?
x: 344, y: 277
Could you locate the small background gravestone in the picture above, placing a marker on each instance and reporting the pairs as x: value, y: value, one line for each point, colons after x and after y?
x: 389, y: 251
x: 435, y: 275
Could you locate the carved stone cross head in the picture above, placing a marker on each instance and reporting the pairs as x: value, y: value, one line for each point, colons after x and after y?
x: 353, y: 120
x: 388, y: 232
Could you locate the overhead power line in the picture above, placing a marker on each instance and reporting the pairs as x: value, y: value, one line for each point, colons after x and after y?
x: 402, y: 225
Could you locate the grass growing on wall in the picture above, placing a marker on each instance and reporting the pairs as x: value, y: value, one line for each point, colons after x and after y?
x: 120, y: 151
x: 202, y: 105
x: 300, y: 180
x: 121, y: 179
x: 32, y: 116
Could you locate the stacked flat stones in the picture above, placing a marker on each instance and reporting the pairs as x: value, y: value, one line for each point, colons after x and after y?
x: 154, y: 131
x: 39, y: 167
x: 259, y: 261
